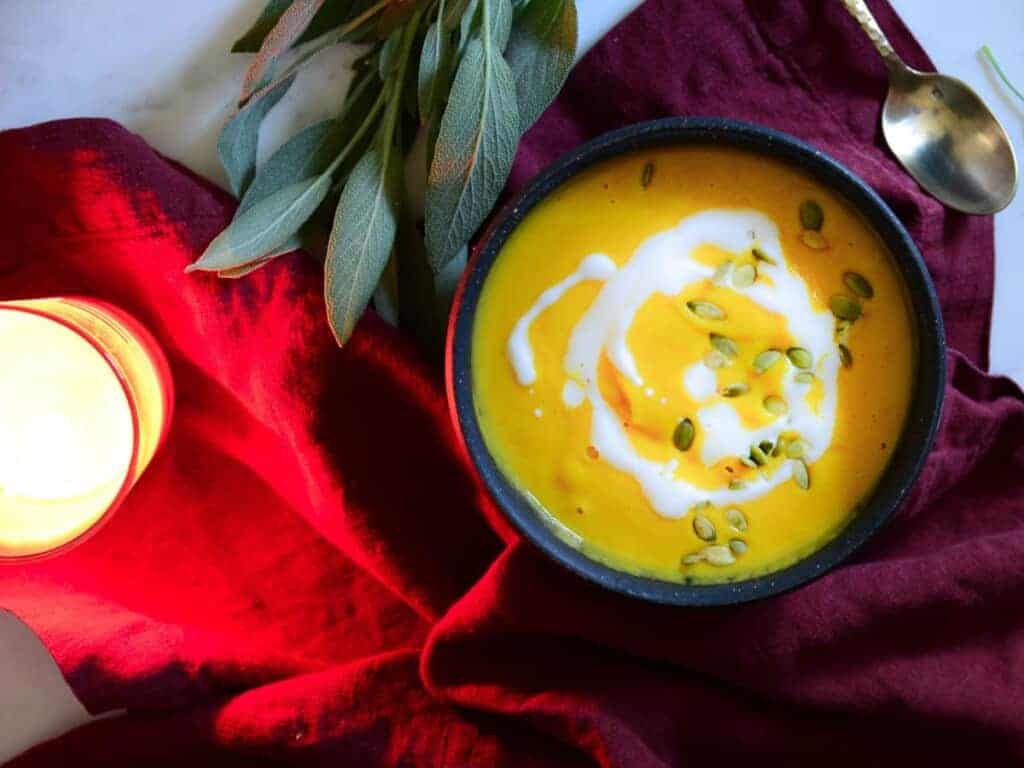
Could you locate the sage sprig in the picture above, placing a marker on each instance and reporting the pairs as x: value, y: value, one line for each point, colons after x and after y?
x: 414, y: 160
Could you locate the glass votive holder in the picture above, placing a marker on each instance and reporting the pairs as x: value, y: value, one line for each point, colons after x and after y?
x: 85, y: 400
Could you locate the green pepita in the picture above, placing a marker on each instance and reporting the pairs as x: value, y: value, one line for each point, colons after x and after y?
x: 757, y: 455
x: 748, y: 462
x: 693, y: 559
x: 744, y: 275
x: 760, y: 255
x: 766, y: 446
x: 715, y: 360
x: 736, y: 519
x: 780, y: 446
x: 766, y: 360
x: 737, y: 485
x: 775, y: 405
x: 814, y: 240
x: 801, y: 474
x: 721, y: 273
x: 738, y: 546
x: 725, y: 345
x: 704, y: 528
x: 800, y: 357
x: 735, y: 390
x: 804, y: 377
x: 844, y: 307
x: 811, y: 215
x: 859, y: 284
x: 682, y: 436
x: 647, y: 175
x: 846, y: 356
x: 706, y: 310
x: 795, y: 449
x: 719, y: 554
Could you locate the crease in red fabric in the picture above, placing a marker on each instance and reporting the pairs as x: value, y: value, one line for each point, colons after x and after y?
x: 305, y: 573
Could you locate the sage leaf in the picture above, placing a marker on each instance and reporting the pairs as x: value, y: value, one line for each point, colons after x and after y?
x: 541, y: 51
x: 251, y: 41
x: 387, y: 60
x: 499, y: 21
x: 361, y: 239
x: 239, y: 138
x: 495, y: 14
x: 385, y: 295
x: 306, y: 154
x: 474, y: 151
x: 233, y: 273
x: 264, y: 227
x: 435, y: 68
x: 453, y: 13
x: 332, y: 14
x: 286, y: 31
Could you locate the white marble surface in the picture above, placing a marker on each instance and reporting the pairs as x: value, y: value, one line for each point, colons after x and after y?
x: 163, y: 71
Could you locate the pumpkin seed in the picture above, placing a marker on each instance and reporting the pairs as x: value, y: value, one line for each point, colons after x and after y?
x: 804, y: 377
x: 748, y: 462
x: 715, y: 360
x: 800, y: 357
x: 843, y: 330
x: 693, y: 559
x: 701, y: 505
x: 735, y: 390
x: 725, y: 345
x: 846, y: 356
x: 706, y: 310
x: 795, y: 449
x: 736, y: 519
x: 800, y: 474
x: 844, y: 307
x: 738, y: 546
x: 775, y: 405
x: 813, y: 240
x: 737, y: 485
x: 765, y: 445
x: 721, y: 273
x: 719, y: 554
x: 760, y: 255
x: 859, y: 284
x: 766, y: 360
x: 758, y: 455
x: 647, y: 175
x: 683, y: 435
x: 780, y: 446
x: 704, y: 528
x: 744, y: 276
x: 811, y: 215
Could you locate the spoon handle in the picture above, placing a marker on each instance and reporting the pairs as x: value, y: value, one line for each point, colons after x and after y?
x: 860, y: 11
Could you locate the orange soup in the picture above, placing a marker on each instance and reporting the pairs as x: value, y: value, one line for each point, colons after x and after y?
x: 695, y: 361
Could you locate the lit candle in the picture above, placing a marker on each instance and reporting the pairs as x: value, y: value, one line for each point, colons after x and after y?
x: 85, y: 399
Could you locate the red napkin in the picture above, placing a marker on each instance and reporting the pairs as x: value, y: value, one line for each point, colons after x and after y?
x: 305, y: 571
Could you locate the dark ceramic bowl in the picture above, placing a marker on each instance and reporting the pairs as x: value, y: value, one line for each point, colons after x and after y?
x: 925, y: 404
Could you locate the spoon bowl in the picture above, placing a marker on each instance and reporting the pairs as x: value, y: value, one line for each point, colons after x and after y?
x: 949, y: 141
x: 942, y: 132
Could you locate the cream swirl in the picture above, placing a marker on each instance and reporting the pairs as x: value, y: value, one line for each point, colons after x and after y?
x: 664, y: 264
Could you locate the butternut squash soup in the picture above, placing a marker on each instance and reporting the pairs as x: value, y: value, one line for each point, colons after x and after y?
x: 695, y: 361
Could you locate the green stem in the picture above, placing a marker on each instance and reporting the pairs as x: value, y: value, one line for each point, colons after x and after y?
x: 360, y: 132
x: 394, y: 85
x: 991, y: 59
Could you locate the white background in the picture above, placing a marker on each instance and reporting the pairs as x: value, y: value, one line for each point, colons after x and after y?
x: 162, y: 70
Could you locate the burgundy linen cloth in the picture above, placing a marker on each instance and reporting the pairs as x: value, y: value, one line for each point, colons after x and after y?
x: 305, y: 573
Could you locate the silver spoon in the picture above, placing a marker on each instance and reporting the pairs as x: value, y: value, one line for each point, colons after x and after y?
x: 942, y: 132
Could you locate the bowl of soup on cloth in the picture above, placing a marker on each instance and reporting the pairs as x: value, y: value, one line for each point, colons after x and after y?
x: 697, y: 361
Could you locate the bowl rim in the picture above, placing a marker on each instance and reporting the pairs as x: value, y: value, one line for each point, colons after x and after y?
x: 923, y: 417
